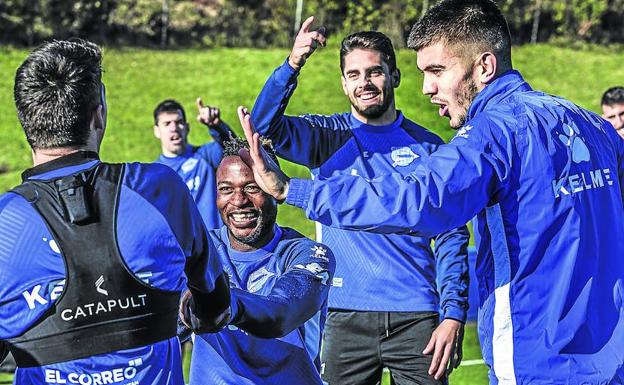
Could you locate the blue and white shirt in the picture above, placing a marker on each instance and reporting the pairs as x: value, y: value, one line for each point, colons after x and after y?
x: 544, y: 179
x: 374, y: 272
x: 197, y: 168
x: 279, y: 296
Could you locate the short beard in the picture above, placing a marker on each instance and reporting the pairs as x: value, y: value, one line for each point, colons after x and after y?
x: 464, y: 98
x: 264, y: 227
x: 376, y: 111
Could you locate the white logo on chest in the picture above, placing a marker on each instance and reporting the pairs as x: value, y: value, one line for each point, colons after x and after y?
x: 257, y: 279
x: 189, y: 165
x: 193, y: 183
x: 402, y: 156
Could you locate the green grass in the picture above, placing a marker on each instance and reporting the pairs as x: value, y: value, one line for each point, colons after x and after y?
x: 464, y: 375
x: 138, y: 79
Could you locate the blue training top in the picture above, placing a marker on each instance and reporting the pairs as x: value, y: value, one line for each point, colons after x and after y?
x: 544, y: 179
x: 279, y: 295
x: 156, y: 240
x: 374, y: 272
x: 197, y: 168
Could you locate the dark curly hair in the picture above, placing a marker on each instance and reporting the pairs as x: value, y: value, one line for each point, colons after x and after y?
x: 234, y: 145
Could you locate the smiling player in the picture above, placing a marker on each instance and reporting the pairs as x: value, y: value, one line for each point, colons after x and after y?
x: 384, y: 295
x: 280, y: 280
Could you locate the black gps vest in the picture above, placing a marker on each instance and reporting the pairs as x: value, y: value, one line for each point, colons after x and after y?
x: 103, y: 307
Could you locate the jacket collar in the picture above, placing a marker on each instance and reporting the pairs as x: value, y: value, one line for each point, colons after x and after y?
x: 500, y: 88
x: 73, y: 159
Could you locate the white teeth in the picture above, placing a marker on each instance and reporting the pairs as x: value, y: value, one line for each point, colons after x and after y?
x: 243, y: 216
x: 367, y: 96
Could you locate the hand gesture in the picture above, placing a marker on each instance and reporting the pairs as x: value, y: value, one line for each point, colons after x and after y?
x: 305, y: 43
x: 446, y: 346
x: 210, y: 116
x: 266, y: 172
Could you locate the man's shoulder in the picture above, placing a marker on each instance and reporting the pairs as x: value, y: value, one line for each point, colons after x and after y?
x: 206, y: 148
x: 294, y: 240
x: 337, y: 121
x: 152, y: 178
x: 156, y: 171
x: 10, y: 201
x: 420, y: 133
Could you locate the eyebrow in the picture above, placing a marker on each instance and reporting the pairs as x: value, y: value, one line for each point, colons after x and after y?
x: 433, y: 67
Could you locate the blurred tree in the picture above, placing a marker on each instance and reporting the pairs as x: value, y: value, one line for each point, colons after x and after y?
x: 268, y: 23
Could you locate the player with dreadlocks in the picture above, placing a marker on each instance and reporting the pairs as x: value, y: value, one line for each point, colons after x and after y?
x: 279, y: 279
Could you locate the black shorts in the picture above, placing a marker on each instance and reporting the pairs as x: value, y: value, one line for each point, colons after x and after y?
x: 358, y: 345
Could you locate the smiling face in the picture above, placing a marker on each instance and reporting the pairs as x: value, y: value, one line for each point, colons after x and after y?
x: 449, y: 80
x: 172, y: 130
x: 247, y: 211
x: 369, y: 84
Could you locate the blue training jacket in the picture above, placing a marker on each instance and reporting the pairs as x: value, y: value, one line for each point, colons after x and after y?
x: 374, y: 272
x: 279, y: 295
x: 544, y: 179
x: 156, y: 239
x: 197, y: 168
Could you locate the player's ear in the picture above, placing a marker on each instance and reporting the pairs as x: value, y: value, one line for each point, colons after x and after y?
x: 486, y: 67
x: 344, y: 85
x: 396, y: 77
x: 156, y: 131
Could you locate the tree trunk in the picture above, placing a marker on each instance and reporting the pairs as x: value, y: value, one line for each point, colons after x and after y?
x: 536, y: 17
x: 165, y: 24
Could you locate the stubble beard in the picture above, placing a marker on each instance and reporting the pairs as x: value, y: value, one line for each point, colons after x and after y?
x: 464, y: 96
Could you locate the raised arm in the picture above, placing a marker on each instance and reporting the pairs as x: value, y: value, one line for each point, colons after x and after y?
x: 307, y: 140
x: 445, y: 191
x: 297, y: 295
x: 211, y: 117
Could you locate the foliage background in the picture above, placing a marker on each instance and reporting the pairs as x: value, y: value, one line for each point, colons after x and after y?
x: 270, y: 23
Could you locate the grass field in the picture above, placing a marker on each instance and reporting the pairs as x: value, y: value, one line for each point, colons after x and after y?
x: 138, y: 79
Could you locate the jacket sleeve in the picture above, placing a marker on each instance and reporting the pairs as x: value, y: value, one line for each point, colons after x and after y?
x: 221, y: 133
x: 451, y: 253
x: 306, y: 140
x: 446, y: 190
x: 298, y: 294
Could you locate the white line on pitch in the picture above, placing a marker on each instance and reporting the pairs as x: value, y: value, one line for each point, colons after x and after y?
x: 472, y: 362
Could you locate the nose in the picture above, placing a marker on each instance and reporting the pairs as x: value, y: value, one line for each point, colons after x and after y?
x: 364, y: 80
x: 239, y: 198
x: 429, y: 86
x: 619, y: 122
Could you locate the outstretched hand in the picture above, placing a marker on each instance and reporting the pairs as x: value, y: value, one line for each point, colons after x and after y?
x: 306, y: 43
x: 266, y: 172
x: 210, y: 116
x: 446, y: 345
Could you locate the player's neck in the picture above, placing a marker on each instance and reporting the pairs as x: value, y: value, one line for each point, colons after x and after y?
x: 388, y: 117
x: 45, y: 155
x: 174, y: 153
